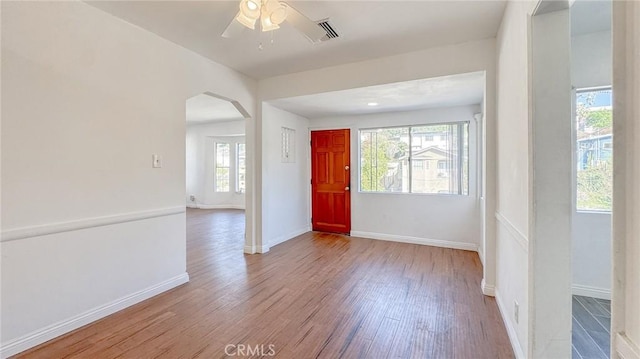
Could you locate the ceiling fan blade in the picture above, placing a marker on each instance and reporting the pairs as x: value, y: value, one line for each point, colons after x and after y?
x: 308, y: 27
x: 234, y: 29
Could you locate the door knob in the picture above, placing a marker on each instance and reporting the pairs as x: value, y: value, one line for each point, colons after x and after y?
x: 346, y: 188
x: 346, y: 168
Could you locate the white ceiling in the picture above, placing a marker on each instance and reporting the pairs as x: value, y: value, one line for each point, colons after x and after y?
x: 589, y: 16
x: 204, y: 108
x: 455, y: 90
x: 368, y: 29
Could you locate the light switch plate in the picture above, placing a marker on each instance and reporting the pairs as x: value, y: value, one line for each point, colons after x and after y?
x: 157, y: 161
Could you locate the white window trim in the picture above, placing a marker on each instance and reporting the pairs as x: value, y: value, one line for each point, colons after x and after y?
x: 574, y: 142
x: 237, y: 172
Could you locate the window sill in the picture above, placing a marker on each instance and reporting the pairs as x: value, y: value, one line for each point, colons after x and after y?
x: 419, y: 194
x: 592, y: 211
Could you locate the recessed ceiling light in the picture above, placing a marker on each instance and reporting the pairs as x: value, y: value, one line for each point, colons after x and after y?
x: 372, y: 104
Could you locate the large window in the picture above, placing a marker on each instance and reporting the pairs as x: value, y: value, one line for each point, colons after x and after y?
x: 222, y: 167
x: 594, y: 150
x: 438, y: 154
x: 241, y: 166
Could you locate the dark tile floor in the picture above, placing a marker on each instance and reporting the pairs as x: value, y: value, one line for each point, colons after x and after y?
x: 591, y: 327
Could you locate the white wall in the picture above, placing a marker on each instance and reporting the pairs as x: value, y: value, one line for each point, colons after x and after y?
x: 550, y: 186
x: 434, y: 62
x: 532, y: 200
x: 591, y: 60
x: 88, y: 225
x: 591, y: 66
x: 445, y: 220
x: 591, y: 242
x: 625, y: 320
x: 512, y: 212
x: 200, y: 164
x: 285, y: 185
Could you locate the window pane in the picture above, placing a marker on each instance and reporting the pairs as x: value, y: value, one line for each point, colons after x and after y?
x: 222, y: 154
x: 435, y: 160
x: 444, y: 150
x: 594, y: 182
x: 222, y: 180
x: 222, y: 167
x: 240, y: 180
x: 382, y: 168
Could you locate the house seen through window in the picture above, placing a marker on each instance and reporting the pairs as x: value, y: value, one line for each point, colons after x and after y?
x: 439, y: 155
x: 594, y: 150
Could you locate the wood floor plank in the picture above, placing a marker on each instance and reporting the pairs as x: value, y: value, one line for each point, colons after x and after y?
x: 317, y: 295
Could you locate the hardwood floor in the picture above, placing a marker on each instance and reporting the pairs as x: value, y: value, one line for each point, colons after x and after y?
x: 315, y: 296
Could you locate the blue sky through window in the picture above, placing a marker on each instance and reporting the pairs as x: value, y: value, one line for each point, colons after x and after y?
x: 602, y: 98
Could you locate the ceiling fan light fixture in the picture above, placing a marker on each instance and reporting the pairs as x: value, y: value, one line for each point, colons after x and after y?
x: 266, y: 24
x: 253, y: 5
x: 246, y: 21
x: 250, y: 9
x: 271, y: 14
x: 277, y: 11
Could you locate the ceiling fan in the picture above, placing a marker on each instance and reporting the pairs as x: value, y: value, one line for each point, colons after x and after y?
x: 271, y: 14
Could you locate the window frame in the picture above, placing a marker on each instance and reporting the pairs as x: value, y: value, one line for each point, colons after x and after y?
x: 410, y: 167
x: 574, y: 165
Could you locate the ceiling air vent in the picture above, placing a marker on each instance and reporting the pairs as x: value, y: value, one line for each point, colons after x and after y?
x: 331, y: 32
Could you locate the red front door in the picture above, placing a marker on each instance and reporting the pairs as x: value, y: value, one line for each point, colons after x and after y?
x: 330, y: 181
